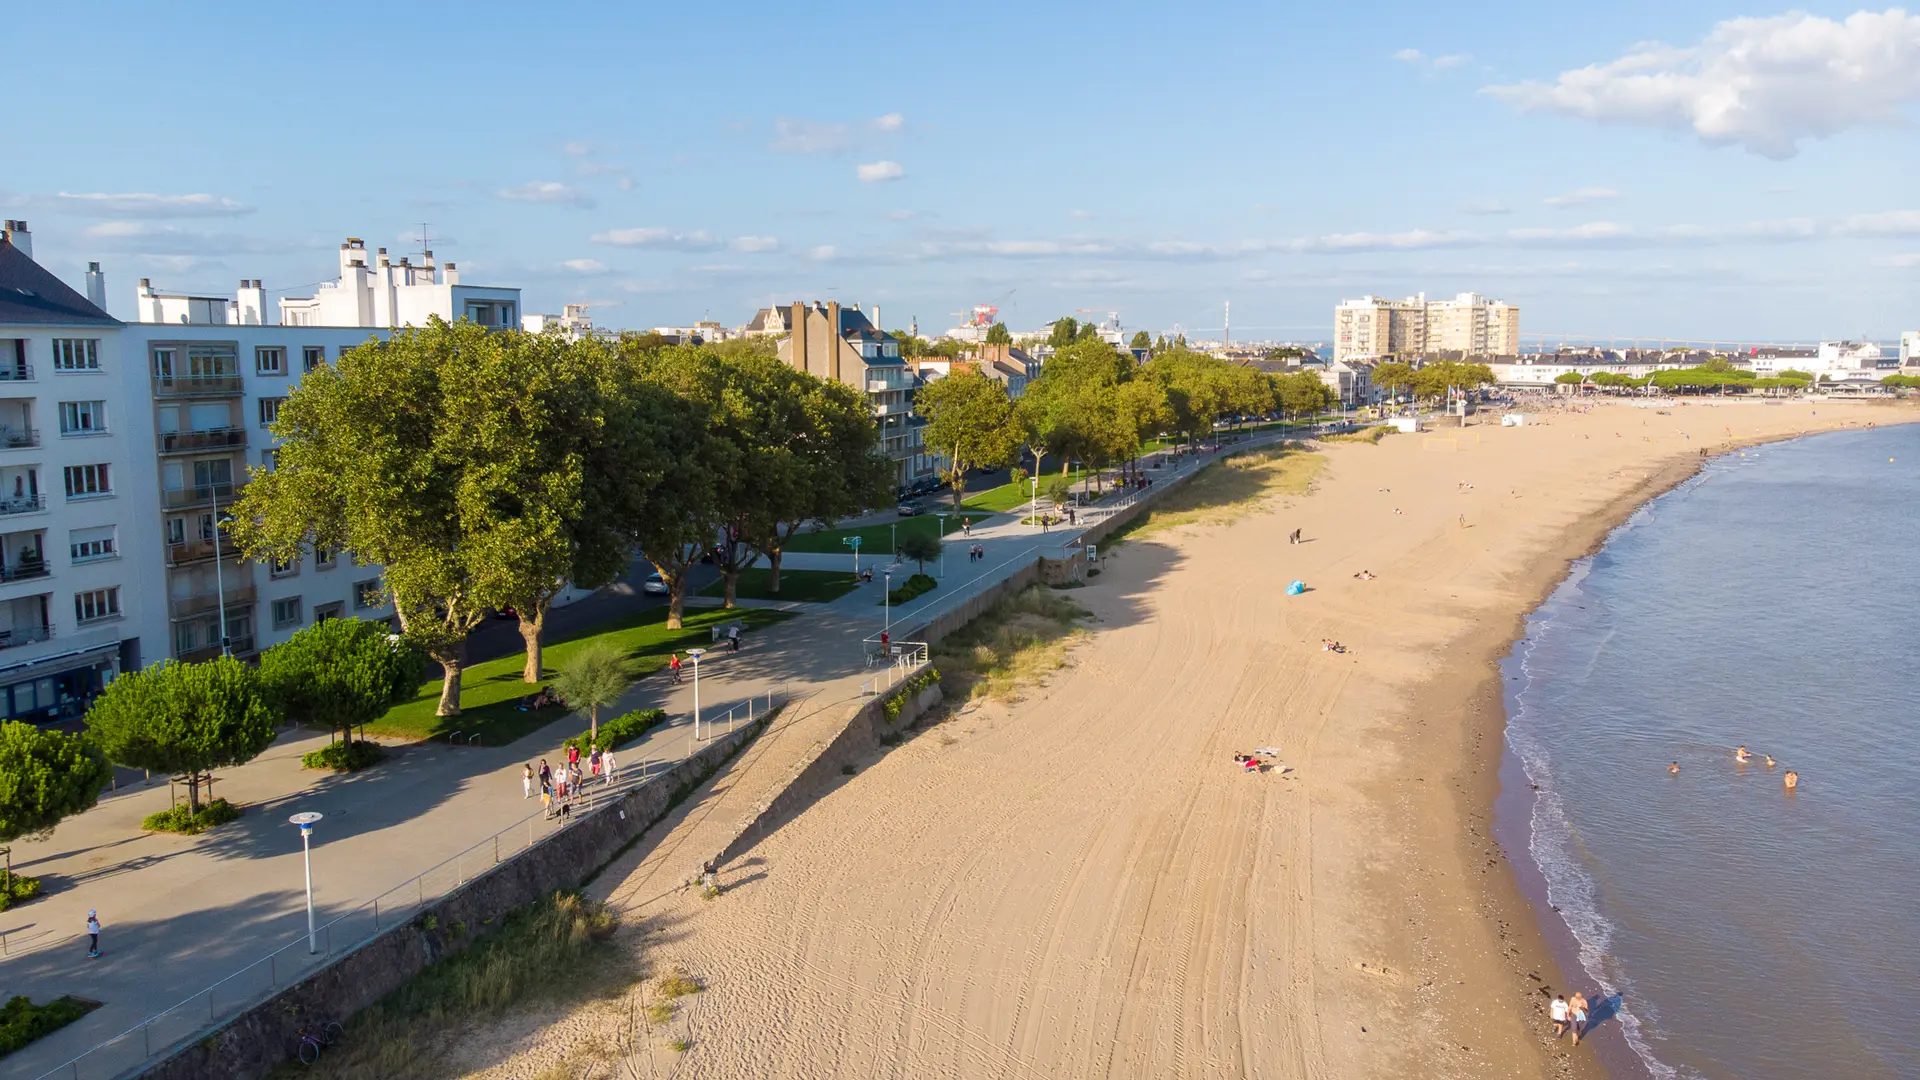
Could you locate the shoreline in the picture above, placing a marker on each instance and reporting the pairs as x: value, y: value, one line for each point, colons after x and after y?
x: 1501, y: 805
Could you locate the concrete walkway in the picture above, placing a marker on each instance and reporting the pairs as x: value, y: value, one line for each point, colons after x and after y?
x: 182, y: 913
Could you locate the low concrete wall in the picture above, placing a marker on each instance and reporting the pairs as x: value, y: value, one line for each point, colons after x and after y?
x: 942, y: 625
x: 820, y: 770
x: 253, y: 1043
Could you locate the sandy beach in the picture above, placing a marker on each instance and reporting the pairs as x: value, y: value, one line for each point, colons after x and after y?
x: 1083, y: 883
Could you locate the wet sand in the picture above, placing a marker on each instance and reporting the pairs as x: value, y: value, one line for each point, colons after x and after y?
x: 1083, y: 883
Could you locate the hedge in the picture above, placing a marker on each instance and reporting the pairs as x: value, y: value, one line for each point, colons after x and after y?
x: 182, y: 819
x: 914, y: 586
x: 624, y: 728
x: 21, y: 1021
x: 344, y: 757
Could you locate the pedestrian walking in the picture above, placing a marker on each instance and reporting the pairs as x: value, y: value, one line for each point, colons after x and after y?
x: 966, y: 526
x: 593, y: 763
x: 886, y: 644
x: 1558, y: 1013
x: 573, y: 757
x: 93, y: 934
x: 733, y: 637
x: 608, y: 766
x: 546, y: 776
x: 1577, y: 1005
x: 526, y: 781
x: 673, y: 664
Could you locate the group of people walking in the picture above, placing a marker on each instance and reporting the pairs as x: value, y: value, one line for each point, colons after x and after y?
x: 559, y: 786
x: 1569, y: 1013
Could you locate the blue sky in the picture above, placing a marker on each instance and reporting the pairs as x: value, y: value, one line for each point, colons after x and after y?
x: 1660, y: 170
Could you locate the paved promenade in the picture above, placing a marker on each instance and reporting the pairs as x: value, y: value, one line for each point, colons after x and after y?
x: 182, y: 913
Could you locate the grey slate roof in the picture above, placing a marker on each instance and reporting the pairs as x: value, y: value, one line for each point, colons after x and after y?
x: 30, y: 296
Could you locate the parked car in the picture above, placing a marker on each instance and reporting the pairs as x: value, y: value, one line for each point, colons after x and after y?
x: 908, y: 509
x: 654, y: 584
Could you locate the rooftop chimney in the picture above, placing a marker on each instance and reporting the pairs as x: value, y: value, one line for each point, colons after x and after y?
x: 16, y: 234
x: 452, y: 274
x: 96, y: 286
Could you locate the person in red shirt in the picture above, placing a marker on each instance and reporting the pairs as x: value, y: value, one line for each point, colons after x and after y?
x: 673, y: 662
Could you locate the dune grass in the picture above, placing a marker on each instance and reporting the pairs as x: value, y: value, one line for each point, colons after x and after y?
x: 1228, y: 490
x: 1370, y: 436
x: 490, y: 692
x: 1015, y: 644
x: 560, y: 948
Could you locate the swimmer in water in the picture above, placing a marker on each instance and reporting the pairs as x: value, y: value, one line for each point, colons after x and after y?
x: 1740, y: 754
x: 1770, y: 762
x: 1674, y: 768
x: 1793, y: 779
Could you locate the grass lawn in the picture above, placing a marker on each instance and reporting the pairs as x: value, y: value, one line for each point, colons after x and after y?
x: 490, y: 692
x: 1008, y: 497
x: 808, y: 586
x: 877, y: 540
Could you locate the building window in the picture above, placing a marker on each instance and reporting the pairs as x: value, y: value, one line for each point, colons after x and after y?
x: 324, y: 612
x: 312, y: 356
x: 88, y: 481
x: 269, y: 360
x: 91, y: 545
x: 283, y: 568
x: 76, y: 354
x: 97, y: 605
x: 270, y: 410
x: 83, y: 417
x: 286, y: 613
x: 270, y: 459
x: 368, y: 594
x: 326, y: 557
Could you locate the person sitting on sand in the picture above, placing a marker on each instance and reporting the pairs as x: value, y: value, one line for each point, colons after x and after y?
x: 1251, y: 763
x: 1793, y: 779
x: 1740, y: 754
x: 1674, y: 768
x: 1557, y: 1012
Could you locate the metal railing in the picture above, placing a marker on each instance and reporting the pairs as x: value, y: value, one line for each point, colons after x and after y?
x: 16, y: 372
x: 187, y: 606
x: 25, y: 569
x: 196, y: 496
x: 205, y: 1009
x: 902, y: 659
x: 192, y: 385
x: 19, y: 438
x: 176, y: 442
x: 23, y: 504
x: 24, y: 635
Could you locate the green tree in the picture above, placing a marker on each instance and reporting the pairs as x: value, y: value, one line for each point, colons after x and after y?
x: 184, y: 718
x: 970, y: 421
x: 911, y: 346
x: 455, y: 457
x: 1393, y: 376
x: 1569, y: 378
x: 1065, y: 332
x: 594, y: 679
x: 920, y: 547
x: 1141, y: 340
x: 44, y: 776
x: 340, y: 674
x: 998, y: 334
x: 1303, y: 394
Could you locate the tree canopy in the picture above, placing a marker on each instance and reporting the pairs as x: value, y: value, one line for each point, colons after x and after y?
x: 184, y: 718
x: 340, y: 674
x: 594, y: 679
x: 1141, y: 340
x: 998, y: 334
x: 45, y: 776
x: 970, y: 421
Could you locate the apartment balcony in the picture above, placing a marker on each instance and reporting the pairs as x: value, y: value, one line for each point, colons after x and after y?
x: 242, y: 645
x: 19, y: 438
x: 25, y: 570
x: 16, y: 373
x: 188, y: 606
x: 24, y: 635
x: 189, y: 552
x: 190, y: 498
x: 22, y: 504
x: 182, y: 442
x: 181, y: 386
x: 896, y: 408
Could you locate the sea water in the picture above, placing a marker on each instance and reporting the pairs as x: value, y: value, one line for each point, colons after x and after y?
x: 1747, y: 931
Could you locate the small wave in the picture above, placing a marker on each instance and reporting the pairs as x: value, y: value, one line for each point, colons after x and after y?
x: 1552, y: 842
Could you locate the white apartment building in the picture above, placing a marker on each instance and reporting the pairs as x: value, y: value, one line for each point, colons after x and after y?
x: 392, y: 295
x: 1374, y: 327
x: 1910, y: 349
x: 121, y: 443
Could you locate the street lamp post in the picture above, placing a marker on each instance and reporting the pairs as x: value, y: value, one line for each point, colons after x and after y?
x: 1033, y: 509
x: 854, y: 543
x: 893, y: 533
x: 943, y: 545
x: 305, y: 820
x: 696, y: 654
x: 886, y: 601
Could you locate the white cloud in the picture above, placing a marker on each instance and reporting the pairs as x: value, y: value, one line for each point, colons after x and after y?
x: 822, y: 252
x: 1904, y: 261
x: 1582, y: 197
x: 1436, y: 63
x: 754, y: 244
x: 548, y: 191
x: 1401, y: 241
x: 893, y: 121
x: 1486, y: 206
x: 1451, y: 60
x: 1409, y: 56
x: 654, y: 237
x: 1761, y: 83
x: 150, y: 239
x: 879, y: 171
x: 792, y: 136
x: 1886, y: 223
x: 585, y: 266
x: 576, y: 148
x: 146, y: 205
x: 901, y: 215
x: 1080, y: 215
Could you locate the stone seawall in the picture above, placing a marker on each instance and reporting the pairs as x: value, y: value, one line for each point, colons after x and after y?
x: 252, y: 1044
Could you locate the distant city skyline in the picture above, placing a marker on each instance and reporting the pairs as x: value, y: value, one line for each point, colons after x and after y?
x: 1716, y: 173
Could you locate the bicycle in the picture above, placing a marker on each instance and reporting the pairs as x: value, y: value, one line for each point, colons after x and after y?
x: 311, y: 1044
